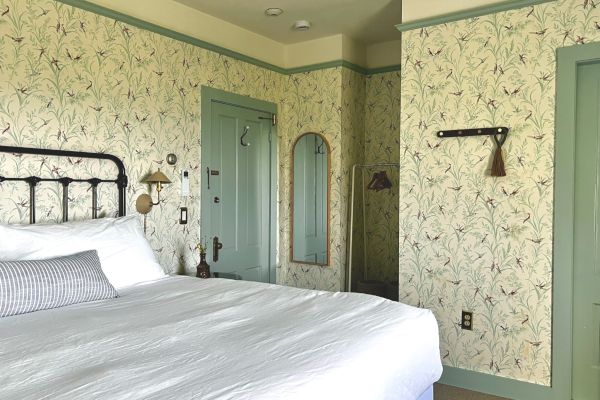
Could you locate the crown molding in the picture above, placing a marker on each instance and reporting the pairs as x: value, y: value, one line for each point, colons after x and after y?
x: 139, y: 23
x: 472, y: 13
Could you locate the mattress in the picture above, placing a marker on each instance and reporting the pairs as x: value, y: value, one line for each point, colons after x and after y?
x: 188, y: 338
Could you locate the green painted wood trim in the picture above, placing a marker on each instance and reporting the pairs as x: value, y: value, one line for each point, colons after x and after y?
x: 208, y: 95
x: 564, y: 202
x: 475, y: 12
x: 354, y: 67
x: 497, y: 386
x: 107, y: 12
x: 383, y: 70
x: 314, y: 67
x: 326, y: 65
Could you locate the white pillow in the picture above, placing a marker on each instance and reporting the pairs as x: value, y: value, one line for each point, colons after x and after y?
x: 124, y: 252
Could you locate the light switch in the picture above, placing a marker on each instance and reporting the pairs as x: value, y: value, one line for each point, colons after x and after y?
x: 183, y: 217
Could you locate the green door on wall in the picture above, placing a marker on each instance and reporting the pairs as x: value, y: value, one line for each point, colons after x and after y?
x: 586, y: 300
x: 235, y: 192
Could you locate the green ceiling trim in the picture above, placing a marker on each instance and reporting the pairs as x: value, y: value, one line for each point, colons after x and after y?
x: 107, y: 12
x: 475, y: 12
x: 328, y: 64
x: 315, y: 67
x: 383, y: 70
x: 354, y: 67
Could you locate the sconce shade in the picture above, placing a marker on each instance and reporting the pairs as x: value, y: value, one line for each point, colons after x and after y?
x: 157, y: 177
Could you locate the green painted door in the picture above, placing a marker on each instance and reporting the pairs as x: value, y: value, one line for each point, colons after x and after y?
x: 586, y: 301
x: 235, y: 192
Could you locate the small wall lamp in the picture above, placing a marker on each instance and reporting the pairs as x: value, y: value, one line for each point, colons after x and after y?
x: 144, y: 202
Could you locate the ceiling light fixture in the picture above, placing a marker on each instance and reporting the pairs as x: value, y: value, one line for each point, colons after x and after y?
x: 273, y: 12
x: 302, y: 25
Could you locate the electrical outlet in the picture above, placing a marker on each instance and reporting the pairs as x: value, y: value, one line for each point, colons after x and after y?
x: 466, y: 320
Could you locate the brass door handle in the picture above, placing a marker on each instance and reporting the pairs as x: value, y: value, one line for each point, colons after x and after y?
x: 216, y: 247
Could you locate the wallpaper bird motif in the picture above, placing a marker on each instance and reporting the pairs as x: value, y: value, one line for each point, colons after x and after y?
x: 469, y: 241
x: 382, y: 137
x: 71, y: 79
x: 307, y: 108
x: 75, y: 80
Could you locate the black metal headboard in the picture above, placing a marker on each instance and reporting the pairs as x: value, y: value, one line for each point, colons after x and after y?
x: 121, y: 179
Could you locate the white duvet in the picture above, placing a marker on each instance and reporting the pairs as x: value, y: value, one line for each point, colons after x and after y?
x: 187, y: 338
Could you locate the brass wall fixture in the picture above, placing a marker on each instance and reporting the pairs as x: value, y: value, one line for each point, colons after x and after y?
x: 144, y: 202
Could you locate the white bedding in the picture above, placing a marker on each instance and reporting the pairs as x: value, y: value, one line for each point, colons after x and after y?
x: 184, y: 338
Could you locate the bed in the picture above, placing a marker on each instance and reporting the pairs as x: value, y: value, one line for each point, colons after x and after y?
x: 177, y: 337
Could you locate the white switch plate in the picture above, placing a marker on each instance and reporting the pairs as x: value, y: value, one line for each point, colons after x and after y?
x: 183, y: 217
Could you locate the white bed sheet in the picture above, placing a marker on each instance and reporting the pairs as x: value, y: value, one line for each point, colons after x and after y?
x: 187, y: 338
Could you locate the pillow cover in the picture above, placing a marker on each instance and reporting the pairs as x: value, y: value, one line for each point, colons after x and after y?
x: 27, y: 286
x: 124, y: 252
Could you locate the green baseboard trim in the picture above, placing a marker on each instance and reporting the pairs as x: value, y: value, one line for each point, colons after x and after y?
x: 497, y: 386
x: 141, y: 24
x: 472, y: 13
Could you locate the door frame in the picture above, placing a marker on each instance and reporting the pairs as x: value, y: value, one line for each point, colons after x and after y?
x: 209, y: 96
x: 568, y: 59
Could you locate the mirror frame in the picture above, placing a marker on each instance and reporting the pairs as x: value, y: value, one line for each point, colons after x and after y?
x: 328, y: 261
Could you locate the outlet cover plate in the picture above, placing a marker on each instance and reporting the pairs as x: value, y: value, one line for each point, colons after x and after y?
x: 466, y: 320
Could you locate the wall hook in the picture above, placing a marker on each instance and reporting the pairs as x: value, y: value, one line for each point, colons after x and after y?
x: 320, y: 148
x: 246, y: 130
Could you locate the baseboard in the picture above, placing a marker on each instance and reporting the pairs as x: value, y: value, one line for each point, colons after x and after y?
x: 497, y: 386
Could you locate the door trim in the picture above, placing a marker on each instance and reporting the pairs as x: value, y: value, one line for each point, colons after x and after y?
x: 208, y: 96
x: 568, y: 58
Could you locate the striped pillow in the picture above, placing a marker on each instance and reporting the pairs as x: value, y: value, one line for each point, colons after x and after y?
x: 27, y: 286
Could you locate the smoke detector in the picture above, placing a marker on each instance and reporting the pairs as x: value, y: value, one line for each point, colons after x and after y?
x: 302, y: 25
x: 273, y: 12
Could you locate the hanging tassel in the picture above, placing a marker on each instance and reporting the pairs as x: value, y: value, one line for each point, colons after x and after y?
x: 498, y: 162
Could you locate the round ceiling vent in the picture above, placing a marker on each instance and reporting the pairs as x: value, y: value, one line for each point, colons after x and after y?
x: 302, y: 25
x: 273, y: 12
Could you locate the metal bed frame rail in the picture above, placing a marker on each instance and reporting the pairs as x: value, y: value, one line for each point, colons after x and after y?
x: 33, y: 181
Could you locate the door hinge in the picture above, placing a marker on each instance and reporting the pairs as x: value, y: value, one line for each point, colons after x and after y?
x: 273, y: 119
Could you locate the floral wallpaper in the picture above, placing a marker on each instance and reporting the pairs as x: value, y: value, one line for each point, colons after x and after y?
x: 382, y: 132
x: 329, y: 102
x: 353, y: 140
x: 469, y: 241
x: 312, y: 103
x: 75, y: 80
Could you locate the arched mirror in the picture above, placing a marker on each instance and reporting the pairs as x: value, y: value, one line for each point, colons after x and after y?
x: 310, y: 199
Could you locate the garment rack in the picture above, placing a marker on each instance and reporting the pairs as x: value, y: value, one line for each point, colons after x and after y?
x: 350, y: 241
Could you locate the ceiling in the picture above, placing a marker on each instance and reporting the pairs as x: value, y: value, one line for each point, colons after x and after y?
x: 367, y: 21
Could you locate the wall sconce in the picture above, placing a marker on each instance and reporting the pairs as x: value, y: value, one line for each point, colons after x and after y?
x: 144, y: 202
